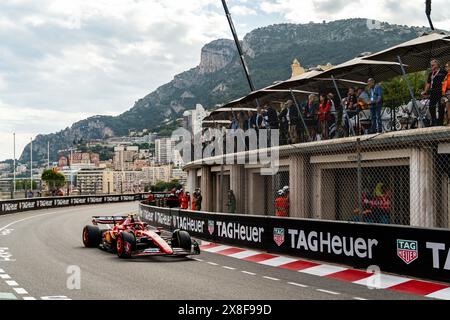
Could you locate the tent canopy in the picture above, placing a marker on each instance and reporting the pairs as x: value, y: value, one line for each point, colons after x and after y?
x: 418, y: 52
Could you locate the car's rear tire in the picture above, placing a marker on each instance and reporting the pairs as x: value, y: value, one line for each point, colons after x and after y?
x: 125, y: 245
x: 92, y: 236
x: 181, y: 239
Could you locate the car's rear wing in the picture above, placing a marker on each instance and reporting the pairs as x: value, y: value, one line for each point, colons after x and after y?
x: 108, y: 219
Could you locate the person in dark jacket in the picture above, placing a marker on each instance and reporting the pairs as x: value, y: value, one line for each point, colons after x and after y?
x: 271, y: 116
x: 433, y: 89
x: 284, y: 125
x: 293, y: 120
x: 231, y: 205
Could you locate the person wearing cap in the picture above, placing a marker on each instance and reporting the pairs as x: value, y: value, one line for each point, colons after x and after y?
x: 281, y: 205
x: 376, y: 105
x: 231, y: 205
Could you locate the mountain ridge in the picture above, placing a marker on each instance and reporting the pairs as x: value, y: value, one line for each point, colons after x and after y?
x: 219, y: 77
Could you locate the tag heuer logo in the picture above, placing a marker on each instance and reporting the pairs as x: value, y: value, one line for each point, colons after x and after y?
x: 211, y: 227
x: 407, y: 250
x: 278, y: 236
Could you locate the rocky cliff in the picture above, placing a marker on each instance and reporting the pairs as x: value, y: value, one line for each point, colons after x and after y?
x: 219, y: 77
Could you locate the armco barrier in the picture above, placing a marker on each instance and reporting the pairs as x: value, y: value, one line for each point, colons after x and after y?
x: 423, y: 253
x: 21, y: 205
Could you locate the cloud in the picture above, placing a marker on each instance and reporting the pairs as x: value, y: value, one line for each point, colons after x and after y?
x: 69, y: 60
x: 243, y: 11
x: 392, y: 11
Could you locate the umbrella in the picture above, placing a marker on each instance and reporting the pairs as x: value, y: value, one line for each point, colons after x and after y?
x: 418, y: 52
x: 359, y: 69
x: 326, y: 84
x: 295, y: 82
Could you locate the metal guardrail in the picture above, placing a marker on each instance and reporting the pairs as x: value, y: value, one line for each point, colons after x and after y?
x: 417, y: 252
x: 21, y: 205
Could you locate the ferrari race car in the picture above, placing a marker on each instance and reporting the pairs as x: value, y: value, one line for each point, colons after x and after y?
x: 129, y: 237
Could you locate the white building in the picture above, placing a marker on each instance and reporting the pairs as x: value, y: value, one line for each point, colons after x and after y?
x: 95, y: 181
x: 129, y: 181
x: 193, y: 119
x: 156, y: 174
x: 164, y: 150
x: 124, y: 157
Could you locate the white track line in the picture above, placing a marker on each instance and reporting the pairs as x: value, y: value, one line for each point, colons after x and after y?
x: 12, y: 283
x: 2, y: 271
x: 297, y: 284
x: 329, y: 292
x: 29, y: 298
x: 249, y: 273
x: 212, y: 263
x: 228, y: 268
x: 270, y: 278
x: 20, y: 290
x: 361, y: 299
x: 43, y: 215
x: 5, y: 276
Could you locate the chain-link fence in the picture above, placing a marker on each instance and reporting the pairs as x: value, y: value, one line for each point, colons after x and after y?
x: 400, y: 178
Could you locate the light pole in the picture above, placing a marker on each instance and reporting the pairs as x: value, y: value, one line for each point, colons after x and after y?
x: 14, y: 165
x: 31, y: 164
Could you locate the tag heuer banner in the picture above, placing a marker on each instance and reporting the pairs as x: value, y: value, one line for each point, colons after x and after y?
x: 423, y: 253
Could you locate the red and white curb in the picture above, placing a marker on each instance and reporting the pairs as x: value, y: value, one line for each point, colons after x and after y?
x: 370, y: 280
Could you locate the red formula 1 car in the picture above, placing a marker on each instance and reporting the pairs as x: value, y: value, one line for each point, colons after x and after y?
x: 129, y: 237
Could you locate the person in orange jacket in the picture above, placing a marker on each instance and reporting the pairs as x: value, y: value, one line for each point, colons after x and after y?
x: 446, y: 92
x: 185, y: 201
x: 282, y: 205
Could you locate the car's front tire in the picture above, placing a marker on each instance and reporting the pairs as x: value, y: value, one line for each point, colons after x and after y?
x: 181, y: 239
x: 125, y: 245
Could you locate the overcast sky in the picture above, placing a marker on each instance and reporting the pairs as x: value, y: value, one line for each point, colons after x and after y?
x: 64, y: 60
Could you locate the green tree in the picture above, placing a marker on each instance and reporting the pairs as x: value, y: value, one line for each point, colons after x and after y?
x: 162, y: 186
x: 53, y: 179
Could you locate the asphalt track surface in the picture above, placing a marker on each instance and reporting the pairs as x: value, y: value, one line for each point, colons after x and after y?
x: 44, y: 245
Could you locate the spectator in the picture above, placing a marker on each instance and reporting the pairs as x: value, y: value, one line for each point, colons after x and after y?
x: 293, y: 120
x: 286, y: 192
x: 311, y: 110
x: 433, y: 89
x: 234, y: 122
x: 260, y: 123
x: 284, y: 125
x: 363, y: 99
x: 151, y: 199
x: 446, y: 92
x: 271, y: 117
x: 350, y: 104
x: 324, y: 116
x: 198, y: 200
x: 231, y: 205
x: 376, y: 105
x: 194, y: 199
x: 185, y: 201
x: 281, y: 205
